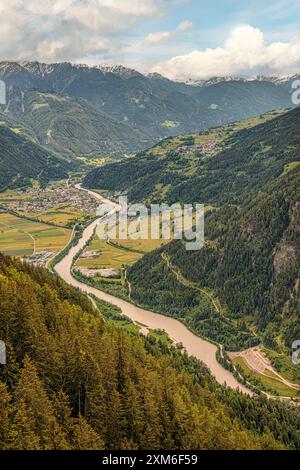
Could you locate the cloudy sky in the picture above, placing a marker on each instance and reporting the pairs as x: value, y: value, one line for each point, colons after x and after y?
x: 177, y: 38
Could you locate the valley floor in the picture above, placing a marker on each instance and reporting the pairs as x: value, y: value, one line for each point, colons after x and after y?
x: 105, y: 262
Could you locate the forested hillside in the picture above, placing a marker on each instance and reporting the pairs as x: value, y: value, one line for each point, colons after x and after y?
x: 22, y: 160
x: 72, y: 127
x: 74, y: 381
x: 213, y: 167
x: 250, y: 262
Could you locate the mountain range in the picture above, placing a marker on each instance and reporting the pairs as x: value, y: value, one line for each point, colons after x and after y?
x: 77, y: 109
x: 79, y: 375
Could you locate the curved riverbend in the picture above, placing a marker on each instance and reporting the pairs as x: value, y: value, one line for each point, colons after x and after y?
x: 194, y: 345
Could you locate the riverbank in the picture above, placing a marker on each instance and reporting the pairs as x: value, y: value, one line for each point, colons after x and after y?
x: 193, y: 344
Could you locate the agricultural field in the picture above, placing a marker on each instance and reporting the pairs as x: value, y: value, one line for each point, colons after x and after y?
x: 60, y: 215
x: 118, y: 254
x: 281, y: 361
x: 109, y: 256
x: 94, y: 160
x: 290, y: 166
x: 22, y: 237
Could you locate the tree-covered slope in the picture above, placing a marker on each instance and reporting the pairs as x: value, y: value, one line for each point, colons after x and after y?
x: 73, y: 381
x: 213, y: 167
x: 72, y: 127
x: 250, y: 262
x: 22, y: 160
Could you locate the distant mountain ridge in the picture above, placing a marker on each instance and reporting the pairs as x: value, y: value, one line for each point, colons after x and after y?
x: 148, y: 107
x: 229, y: 78
x: 43, y: 69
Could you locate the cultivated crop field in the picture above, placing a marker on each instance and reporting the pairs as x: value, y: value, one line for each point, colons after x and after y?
x: 19, y: 237
x: 61, y: 215
x: 118, y: 253
x: 110, y: 256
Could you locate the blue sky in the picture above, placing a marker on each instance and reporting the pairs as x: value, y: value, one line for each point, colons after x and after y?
x: 282, y: 16
x: 279, y: 20
x: 178, y: 38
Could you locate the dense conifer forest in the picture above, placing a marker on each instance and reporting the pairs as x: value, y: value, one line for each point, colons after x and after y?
x: 250, y: 262
x: 74, y: 381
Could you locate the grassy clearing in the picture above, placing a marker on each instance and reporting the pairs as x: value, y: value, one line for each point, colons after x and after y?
x: 170, y: 124
x: 114, y: 315
x: 125, y: 325
x: 16, y: 130
x: 283, y: 364
x: 161, y: 336
x: 270, y: 381
x: 290, y: 166
x: 17, y: 234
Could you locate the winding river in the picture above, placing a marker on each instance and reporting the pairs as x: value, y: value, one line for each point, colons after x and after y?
x: 194, y: 345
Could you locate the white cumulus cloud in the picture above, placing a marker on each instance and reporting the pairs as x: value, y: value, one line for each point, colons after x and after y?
x: 244, y: 53
x: 69, y: 29
x: 157, y: 38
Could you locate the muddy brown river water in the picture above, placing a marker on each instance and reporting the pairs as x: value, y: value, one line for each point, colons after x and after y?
x: 178, y: 332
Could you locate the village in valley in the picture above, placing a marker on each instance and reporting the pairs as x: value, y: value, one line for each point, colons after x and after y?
x: 33, y: 200
x: 36, y: 223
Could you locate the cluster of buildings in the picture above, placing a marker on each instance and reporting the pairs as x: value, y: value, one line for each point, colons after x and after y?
x: 39, y: 259
x: 209, y: 148
x: 35, y: 201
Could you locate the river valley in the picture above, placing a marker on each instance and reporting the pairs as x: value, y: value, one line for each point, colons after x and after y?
x: 177, y: 331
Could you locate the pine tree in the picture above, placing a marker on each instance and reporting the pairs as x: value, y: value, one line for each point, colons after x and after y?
x: 85, y: 437
x: 23, y: 432
x: 37, y: 409
x: 5, y: 415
